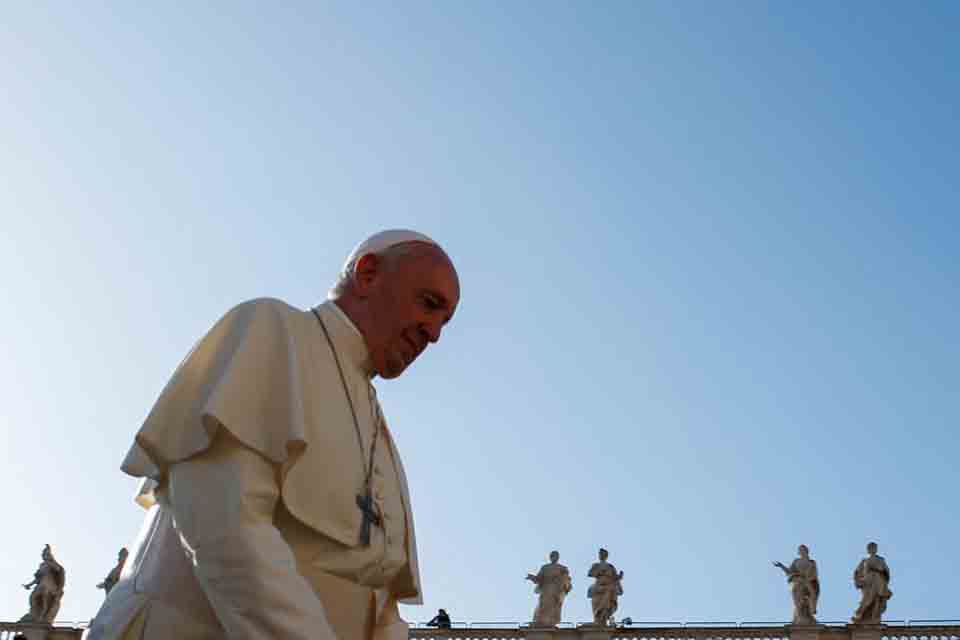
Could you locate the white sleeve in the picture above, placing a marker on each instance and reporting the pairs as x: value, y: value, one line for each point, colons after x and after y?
x: 223, y: 502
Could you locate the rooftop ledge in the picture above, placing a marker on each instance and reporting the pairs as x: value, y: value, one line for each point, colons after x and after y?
x: 891, y: 630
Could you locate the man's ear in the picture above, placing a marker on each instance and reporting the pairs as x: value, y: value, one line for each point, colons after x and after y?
x: 366, y: 272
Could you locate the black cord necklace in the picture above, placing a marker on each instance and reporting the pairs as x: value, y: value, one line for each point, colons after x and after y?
x: 368, y: 508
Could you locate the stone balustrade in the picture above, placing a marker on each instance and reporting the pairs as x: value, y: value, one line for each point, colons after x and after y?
x: 62, y: 631
x: 920, y: 630
x: 908, y: 630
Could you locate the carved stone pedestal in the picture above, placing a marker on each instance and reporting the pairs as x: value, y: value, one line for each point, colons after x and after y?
x: 866, y: 631
x: 36, y: 632
x: 805, y: 631
x: 595, y: 632
x: 540, y: 633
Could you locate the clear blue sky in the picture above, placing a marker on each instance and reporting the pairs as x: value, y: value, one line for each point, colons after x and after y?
x: 708, y: 254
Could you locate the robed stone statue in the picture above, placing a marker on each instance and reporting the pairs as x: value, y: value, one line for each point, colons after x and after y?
x: 48, y: 582
x: 605, y: 590
x: 114, y: 576
x: 872, y: 578
x: 804, y: 586
x: 553, y: 584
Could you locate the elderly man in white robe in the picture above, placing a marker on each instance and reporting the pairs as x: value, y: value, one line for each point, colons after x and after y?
x: 277, y: 503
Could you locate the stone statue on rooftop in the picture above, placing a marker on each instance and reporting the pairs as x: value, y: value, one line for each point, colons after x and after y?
x: 804, y: 586
x: 872, y: 577
x: 553, y: 584
x: 605, y: 590
x: 48, y: 582
x: 114, y: 576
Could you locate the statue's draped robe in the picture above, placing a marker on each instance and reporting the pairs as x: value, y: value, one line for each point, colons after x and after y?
x: 553, y: 584
x: 805, y: 589
x: 872, y: 577
x: 45, y: 597
x: 604, y: 592
x: 252, y: 468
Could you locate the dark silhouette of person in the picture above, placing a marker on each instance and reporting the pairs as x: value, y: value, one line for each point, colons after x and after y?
x: 440, y: 621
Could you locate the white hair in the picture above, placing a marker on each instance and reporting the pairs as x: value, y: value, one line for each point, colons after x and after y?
x: 390, y: 257
x: 389, y: 244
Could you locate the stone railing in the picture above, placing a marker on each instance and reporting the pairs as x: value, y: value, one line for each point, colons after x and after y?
x: 62, y: 631
x: 912, y: 630
x: 902, y: 630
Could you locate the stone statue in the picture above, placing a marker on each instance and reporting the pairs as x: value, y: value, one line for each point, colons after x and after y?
x: 48, y: 582
x: 872, y: 577
x: 114, y: 576
x: 804, y: 586
x: 605, y: 590
x: 553, y: 584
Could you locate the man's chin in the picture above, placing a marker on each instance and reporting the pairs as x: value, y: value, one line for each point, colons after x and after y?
x: 392, y: 369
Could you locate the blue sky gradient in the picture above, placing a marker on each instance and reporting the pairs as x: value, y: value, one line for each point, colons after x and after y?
x: 708, y: 255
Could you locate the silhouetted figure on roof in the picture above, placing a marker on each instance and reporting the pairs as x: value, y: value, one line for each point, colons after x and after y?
x: 441, y: 620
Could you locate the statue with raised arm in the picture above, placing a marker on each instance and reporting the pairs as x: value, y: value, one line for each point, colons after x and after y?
x: 48, y: 582
x: 605, y: 590
x: 553, y: 584
x: 872, y: 577
x: 114, y: 576
x: 804, y: 586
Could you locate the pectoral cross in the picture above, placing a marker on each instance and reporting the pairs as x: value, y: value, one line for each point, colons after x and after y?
x: 371, y: 515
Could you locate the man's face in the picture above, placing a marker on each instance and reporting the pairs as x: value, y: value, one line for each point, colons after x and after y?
x: 554, y: 557
x: 410, y: 301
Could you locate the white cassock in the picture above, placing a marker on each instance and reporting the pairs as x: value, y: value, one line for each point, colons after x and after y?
x: 253, y: 467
